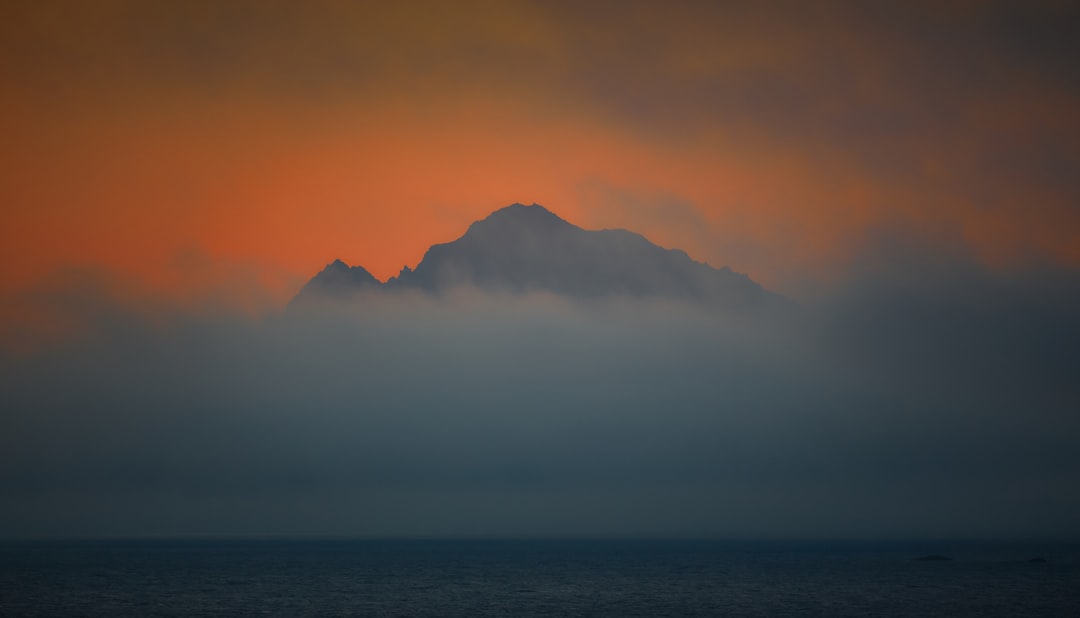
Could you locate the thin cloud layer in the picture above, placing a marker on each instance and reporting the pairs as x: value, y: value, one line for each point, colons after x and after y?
x: 926, y: 398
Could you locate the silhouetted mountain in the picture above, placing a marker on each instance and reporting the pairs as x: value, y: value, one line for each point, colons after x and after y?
x: 338, y: 281
x: 528, y: 248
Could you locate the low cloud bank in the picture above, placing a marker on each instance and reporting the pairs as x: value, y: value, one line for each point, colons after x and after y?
x: 924, y: 398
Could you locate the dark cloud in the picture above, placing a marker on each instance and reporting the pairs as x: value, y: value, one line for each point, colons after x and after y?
x: 927, y: 397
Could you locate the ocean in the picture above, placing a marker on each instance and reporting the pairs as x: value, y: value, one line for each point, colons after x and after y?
x: 536, y: 578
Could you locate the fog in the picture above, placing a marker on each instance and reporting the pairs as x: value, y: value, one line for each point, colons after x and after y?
x: 923, y: 396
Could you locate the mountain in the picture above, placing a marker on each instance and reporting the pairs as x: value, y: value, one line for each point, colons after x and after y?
x: 338, y: 281
x: 528, y: 248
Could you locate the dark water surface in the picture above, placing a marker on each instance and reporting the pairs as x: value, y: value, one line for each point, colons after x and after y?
x: 535, y: 578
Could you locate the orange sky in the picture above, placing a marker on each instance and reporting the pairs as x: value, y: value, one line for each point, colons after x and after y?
x: 197, y: 147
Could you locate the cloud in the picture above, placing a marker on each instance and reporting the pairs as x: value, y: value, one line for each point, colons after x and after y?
x: 925, y: 397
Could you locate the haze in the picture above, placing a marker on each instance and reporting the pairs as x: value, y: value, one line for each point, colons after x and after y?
x: 174, y: 172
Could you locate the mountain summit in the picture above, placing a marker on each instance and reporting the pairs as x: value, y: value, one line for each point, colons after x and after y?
x: 522, y: 248
x: 338, y: 281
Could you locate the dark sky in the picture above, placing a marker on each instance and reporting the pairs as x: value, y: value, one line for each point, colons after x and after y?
x: 172, y: 172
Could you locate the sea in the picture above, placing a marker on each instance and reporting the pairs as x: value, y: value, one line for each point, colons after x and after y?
x: 480, y: 578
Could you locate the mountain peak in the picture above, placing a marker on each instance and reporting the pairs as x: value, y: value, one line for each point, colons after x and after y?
x: 520, y: 217
x: 517, y: 208
x: 337, y: 280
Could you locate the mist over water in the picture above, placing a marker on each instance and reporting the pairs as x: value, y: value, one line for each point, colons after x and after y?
x: 913, y: 401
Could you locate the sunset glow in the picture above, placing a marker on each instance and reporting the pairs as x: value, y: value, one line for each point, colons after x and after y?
x: 185, y: 145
